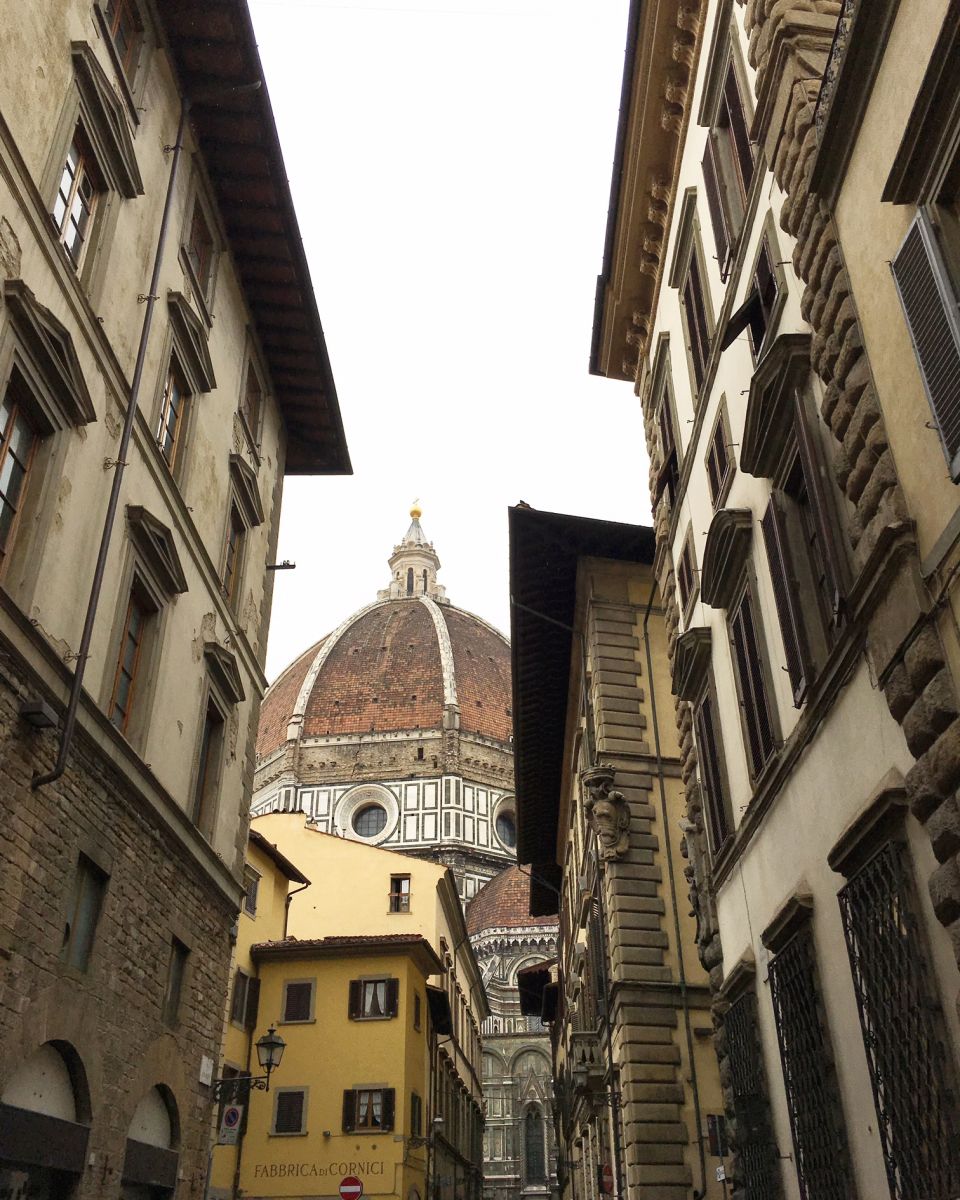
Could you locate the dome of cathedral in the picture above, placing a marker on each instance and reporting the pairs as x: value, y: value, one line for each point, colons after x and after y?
x: 407, y: 662
x: 394, y: 666
x: 504, y: 903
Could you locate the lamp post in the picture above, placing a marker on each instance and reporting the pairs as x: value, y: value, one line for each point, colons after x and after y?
x: 270, y: 1050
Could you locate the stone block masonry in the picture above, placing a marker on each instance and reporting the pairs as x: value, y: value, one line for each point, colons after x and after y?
x: 111, y: 1014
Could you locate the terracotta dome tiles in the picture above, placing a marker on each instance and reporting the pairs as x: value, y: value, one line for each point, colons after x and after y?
x: 279, y: 702
x: 503, y: 903
x: 481, y: 661
x: 383, y: 674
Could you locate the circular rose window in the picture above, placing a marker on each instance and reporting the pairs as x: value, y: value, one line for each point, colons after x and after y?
x: 369, y: 820
x: 506, y: 829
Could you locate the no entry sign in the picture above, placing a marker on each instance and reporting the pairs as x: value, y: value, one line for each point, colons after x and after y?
x: 350, y: 1188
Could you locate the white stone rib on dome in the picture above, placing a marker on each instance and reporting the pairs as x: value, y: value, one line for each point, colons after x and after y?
x: 446, y: 651
x: 295, y: 724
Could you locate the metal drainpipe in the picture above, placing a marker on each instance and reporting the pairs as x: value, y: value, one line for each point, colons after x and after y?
x: 76, y: 687
x: 685, y: 999
x: 286, y: 905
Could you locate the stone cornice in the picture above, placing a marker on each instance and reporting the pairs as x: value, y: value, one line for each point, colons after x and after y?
x: 656, y: 113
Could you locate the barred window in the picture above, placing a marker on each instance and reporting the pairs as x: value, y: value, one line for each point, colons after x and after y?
x: 813, y: 1101
x: 911, y: 1065
x: 756, y: 1147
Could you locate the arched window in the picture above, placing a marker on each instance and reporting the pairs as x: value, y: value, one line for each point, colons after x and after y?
x: 409, y: 581
x: 534, y: 1154
x: 424, y: 582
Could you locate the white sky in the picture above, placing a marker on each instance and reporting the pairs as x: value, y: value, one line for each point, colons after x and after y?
x: 450, y: 162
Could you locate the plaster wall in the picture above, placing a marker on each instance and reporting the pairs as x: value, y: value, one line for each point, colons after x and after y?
x: 65, y: 507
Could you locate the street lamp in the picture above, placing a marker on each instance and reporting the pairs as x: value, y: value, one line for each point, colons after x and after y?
x: 270, y: 1050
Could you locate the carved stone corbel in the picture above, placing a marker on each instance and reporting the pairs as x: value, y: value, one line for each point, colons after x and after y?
x: 607, y: 811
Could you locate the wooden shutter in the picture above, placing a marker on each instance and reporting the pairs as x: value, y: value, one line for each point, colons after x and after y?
x: 393, y: 997
x: 786, y: 593
x: 930, y: 304
x: 696, y: 313
x: 297, y: 999
x: 239, y: 1005
x: 349, y: 1110
x: 356, y: 999
x: 810, y: 464
x: 288, y: 1117
x: 253, y: 1003
x: 739, y: 134
x: 753, y: 693
x: 387, y: 1108
x: 710, y: 773
x: 718, y: 218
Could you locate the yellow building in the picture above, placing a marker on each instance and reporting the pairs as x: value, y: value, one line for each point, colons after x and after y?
x: 370, y: 979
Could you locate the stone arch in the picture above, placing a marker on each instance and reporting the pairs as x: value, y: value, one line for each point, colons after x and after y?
x: 152, y: 1157
x: 51, y: 1080
x: 533, y: 1057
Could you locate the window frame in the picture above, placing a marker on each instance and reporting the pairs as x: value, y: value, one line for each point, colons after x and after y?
x: 131, y: 86
x: 253, y: 431
x: 86, y: 870
x: 689, y: 262
x: 401, y: 895
x: 202, y: 290
x: 387, y: 1105
x: 720, y: 824
x: 176, y: 988
x: 311, y: 982
x: 663, y: 413
x: 721, y: 430
x: 244, y: 1015
x: 687, y: 576
x: 303, y: 1130
x: 174, y: 374
x: 356, y: 1002
x: 139, y: 600
x: 750, y: 702
x: 251, y: 881
x: 208, y: 764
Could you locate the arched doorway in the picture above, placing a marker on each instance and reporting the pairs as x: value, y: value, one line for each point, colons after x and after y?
x: 44, y: 1125
x: 150, y: 1162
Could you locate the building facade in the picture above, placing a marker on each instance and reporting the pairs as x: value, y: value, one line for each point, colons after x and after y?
x: 785, y: 306
x: 395, y: 731
x: 376, y: 955
x: 150, y: 409
x: 601, y: 815
x: 519, y: 1143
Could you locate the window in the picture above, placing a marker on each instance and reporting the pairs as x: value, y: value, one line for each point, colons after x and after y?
x: 172, y: 412
x: 176, y: 970
x: 233, y: 554
x: 750, y: 673
x: 416, y: 1115
x: 207, y: 785
x: 717, y: 807
x: 813, y: 1099
x: 506, y: 829
x: 668, y: 478
x: 930, y: 304
x: 686, y: 576
x: 696, y: 322
x: 756, y: 1142
x: 298, y: 1000
x: 416, y: 1010
x: 135, y: 625
x: 760, y: 311
x: 912, y: 1068
x: 17, y: 448
x: 534, y: 1149
x: 199, y: 249
x: 246, y: 1000
x: 83, y: 913
x: 374, y: 999
x: 368, y: 1110
x: 399, y: 893
x: 370, y: 820
x: 720, y: 468
x: 126, y: 29
x: 290, y: 1111
x: 251, y: 403
x: 76, y: 201
x: 727, y: 167
x: 251, y: 885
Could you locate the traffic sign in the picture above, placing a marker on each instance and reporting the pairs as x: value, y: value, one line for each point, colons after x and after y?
x: 230, y: 1125
x: 350, y: 1188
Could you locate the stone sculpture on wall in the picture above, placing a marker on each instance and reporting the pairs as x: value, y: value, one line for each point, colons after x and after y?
x: 608, y: 812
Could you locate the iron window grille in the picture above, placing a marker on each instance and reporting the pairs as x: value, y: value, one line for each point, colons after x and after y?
x: 911, y: 1064
x: 756, y: 1148
x: 813, y: 1102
